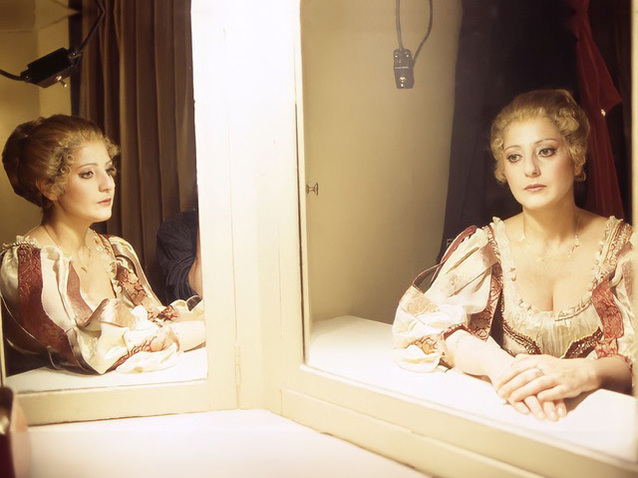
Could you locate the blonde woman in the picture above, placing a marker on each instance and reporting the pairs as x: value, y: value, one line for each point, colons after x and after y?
x: 73, y: 295
x: 540, y: 303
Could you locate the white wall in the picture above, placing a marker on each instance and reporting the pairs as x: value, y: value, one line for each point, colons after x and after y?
x: 379, y: 154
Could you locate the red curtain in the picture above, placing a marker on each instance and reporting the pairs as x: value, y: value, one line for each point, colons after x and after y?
x: 598, y: 95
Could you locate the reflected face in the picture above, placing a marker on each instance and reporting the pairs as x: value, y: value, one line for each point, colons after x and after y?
x: 90, y: 186
x: 538, y: 167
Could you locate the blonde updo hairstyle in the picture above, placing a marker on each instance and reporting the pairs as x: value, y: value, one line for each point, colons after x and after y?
x: 39, y: 154
x: 560, y: 108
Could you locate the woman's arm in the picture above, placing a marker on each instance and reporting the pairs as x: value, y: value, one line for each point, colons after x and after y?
x: 555, y: 378
x: 485, y: 358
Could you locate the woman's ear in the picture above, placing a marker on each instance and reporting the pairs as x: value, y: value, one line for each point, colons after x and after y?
x: 45, y: 189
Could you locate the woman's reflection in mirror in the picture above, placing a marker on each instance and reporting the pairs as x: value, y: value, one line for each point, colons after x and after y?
x: 78, y: 297
x: 539, y: 303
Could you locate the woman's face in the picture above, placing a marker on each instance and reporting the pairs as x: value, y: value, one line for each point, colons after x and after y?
x: 90, y: 186
x: 537, y: 165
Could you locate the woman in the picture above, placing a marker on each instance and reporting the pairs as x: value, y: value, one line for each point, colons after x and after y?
x: 541, y: 303
x: 74, y: 295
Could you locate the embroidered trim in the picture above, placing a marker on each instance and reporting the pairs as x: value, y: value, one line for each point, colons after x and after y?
x: 620, y: 235
x: 582, y: 347
x: 530, y: 346
x: 32, y: 316
x: 415, y: 303
x: 480, y: 324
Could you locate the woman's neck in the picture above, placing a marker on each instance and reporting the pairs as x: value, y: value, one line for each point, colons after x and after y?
x: 70, y: 236
x: 551, y: 226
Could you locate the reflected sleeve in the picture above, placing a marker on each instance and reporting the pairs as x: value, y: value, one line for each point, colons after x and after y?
x: 460, y: 290
x: 623, y: 286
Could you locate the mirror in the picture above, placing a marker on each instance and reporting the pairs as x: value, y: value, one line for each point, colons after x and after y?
x: 375, y: 177
x: 31, y: 29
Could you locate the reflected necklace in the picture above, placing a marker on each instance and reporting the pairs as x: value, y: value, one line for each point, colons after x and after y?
x: 575, y: 245
x: 84, y: 268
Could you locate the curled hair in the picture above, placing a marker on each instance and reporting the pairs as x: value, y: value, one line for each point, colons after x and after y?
x: 38, y: 155
x: 560, y: 108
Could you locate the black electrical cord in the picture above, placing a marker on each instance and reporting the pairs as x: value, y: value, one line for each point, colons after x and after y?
x: 427, y: 33
x: 74, y: 54
x: 10, y: 75
x: 78, y: 51
x: 397, y: 16
x: 399, y: 34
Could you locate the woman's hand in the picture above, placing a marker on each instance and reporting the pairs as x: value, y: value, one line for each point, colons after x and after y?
x: 548, y: 409
x: 486, y: 358
x: 547, y: 378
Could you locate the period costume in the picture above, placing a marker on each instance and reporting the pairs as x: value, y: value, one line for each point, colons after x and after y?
x: 50, y: 315
x: 476, y: 290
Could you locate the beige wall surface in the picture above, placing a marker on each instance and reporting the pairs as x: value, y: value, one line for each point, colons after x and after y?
x: 379, y: 154
x: 26, y: 33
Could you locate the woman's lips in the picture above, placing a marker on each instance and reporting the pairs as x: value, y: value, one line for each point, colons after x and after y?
x: 106, y: 202
x: 534, y: 187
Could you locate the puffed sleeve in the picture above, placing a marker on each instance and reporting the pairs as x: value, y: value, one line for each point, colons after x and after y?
x: 624, y: 291
x: 136, y: 287
x: 35, y: 287
x: 460, y: 291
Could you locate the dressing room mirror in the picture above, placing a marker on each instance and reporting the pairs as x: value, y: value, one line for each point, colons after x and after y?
x: 153, y: 125
x: 385, y: 179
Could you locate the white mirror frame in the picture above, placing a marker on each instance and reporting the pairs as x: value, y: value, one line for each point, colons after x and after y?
x: 218, y: 390
x: 246, y: 60
x: 264, y: 95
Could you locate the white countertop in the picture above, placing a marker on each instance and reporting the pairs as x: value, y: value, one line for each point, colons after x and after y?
x: 361, y: 350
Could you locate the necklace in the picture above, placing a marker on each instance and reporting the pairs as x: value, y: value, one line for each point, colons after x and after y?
x: 574, y: 246
x: 87, y: 261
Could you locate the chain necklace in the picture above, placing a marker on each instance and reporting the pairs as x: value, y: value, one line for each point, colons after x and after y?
x: 569, y: 254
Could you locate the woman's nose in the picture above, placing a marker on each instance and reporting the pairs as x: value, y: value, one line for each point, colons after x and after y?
x: 531, y: 167
x: 106, y: 182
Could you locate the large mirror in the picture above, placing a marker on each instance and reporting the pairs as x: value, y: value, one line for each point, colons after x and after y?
x: 138, y: 88
x: 389, y: 175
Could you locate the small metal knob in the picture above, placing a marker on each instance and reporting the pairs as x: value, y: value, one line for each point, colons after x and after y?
x: 314, y: 189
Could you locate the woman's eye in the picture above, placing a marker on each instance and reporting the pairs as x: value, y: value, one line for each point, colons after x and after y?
x: 86, y: 174
x: 547, y: 152
x: 512, y: 158
x: 112, y: 171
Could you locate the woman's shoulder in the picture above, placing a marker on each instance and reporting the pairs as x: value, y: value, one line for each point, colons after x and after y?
x: 603, y: 230
x: 470, y: 239
x: 35, y: 239
x: 474, y: 248
x: 119, y: 246
x: 115, y: 240
x: 21, y: 247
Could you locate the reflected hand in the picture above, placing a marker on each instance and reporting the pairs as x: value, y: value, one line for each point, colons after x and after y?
x: 545, y: 377
x: 163, y: 339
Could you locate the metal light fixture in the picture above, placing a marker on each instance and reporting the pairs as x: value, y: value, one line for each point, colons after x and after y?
x: 59, y: 64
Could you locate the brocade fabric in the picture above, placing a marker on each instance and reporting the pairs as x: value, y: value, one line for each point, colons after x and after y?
x: 51, y: 315
x: 478, y: 282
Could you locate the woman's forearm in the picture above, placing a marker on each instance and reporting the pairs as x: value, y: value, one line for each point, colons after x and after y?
x: 475, y: 356
x: 612, y: 373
